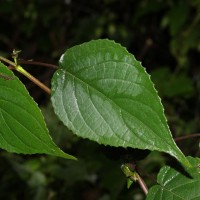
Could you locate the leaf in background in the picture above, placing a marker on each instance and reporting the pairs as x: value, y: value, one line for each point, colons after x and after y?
x: 102, y: 93
x: 22, y: 127
x: 178, y: 16
x: 168, y: 84
x: 174, y: 185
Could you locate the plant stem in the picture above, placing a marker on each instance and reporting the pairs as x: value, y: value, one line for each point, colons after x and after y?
x: 8, y: 61
x: 30, y: 62
x: 141, y: 183
x: 33, y: 79
x: 27, y: 74
x: 129, y: 171
x: 187, y: 137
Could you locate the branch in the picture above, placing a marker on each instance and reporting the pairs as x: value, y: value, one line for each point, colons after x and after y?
x: 33, y: 79
x: 187, y: 137
x: 8, y: 61
x: 30, y: 62
x: 142, y: 183
x: 25, y: 73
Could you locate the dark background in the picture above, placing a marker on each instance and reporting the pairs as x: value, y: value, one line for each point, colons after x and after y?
x: 163, y: 35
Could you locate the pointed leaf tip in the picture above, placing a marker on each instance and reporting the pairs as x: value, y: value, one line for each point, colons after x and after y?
x: 103, y: 93
x: 22, y: 126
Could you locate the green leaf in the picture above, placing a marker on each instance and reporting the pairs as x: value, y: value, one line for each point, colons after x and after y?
x: 174, y: 185
x: 168, y: 84
x: 22, y: 127
x: 102, y: 92
x: 178, y: 16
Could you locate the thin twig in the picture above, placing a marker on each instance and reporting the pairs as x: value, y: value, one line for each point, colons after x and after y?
x: 33, y: 79
x: 187, y: 137
x: 27, y: 74
x: 8, y: 61
x: 30, y: 62
x: 142, y: 183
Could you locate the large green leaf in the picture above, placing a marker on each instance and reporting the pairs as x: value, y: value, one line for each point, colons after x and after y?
x: 174, y: 185
x: 22, y: 127
x: 102, y: 93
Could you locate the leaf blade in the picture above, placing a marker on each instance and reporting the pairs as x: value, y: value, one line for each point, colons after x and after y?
x: 107, y: 96
x: 22, y: 126
x: 174, y: 185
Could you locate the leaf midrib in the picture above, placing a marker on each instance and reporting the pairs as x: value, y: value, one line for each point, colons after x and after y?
x: 87, y: 84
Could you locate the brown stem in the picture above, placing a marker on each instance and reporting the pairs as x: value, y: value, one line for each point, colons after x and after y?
x: 33, y: 79
x: 8, y: 61
x: 40, y: 84
x: 30, y: 62
x: 187, y: 137
x: 141, y: 183
x: 27, y: 74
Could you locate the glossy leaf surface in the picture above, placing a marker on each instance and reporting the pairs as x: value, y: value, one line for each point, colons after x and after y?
x: 174, y: 185
x: 22, y: 127
x: 102, y: 92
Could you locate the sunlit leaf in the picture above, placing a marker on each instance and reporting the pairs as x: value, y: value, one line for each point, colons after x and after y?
x: 103, y: 93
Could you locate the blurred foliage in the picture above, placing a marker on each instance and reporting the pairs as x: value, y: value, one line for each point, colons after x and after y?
x: 164, y: 35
